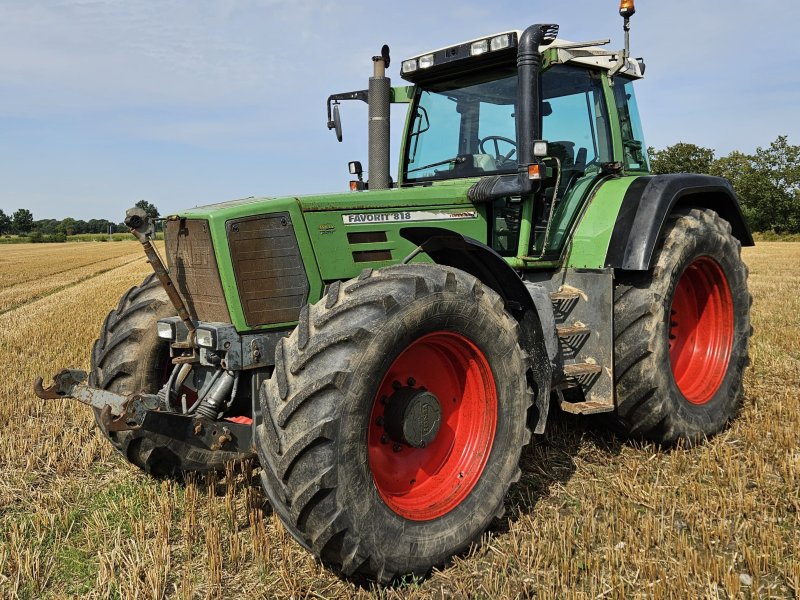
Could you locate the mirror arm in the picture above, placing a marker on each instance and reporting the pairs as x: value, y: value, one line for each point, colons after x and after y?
x: 336, y: 98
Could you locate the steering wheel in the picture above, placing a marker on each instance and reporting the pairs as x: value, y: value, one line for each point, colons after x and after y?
x: 498, y: 156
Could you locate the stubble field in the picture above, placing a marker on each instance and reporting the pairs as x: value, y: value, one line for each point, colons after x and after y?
x: 592, y: 517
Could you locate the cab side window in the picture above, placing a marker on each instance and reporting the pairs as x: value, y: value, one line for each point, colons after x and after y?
x: 636, y: 158
x: 575, y: 118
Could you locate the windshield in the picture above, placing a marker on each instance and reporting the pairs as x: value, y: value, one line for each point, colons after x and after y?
x: 470, y: 130
x: 466, y: 131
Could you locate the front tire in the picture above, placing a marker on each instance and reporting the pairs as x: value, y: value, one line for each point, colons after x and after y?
x: 682, y: 332
x: 353, y: 460
x: 129, y: 358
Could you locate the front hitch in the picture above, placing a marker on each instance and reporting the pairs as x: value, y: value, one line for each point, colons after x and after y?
x: 117, y: 412
x: 144, y: 411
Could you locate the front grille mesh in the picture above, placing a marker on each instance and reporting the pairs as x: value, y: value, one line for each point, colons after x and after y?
x: 269, y: 270
x: 193, y: 269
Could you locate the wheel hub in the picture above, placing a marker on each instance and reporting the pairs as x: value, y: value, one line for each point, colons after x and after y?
x: 413, y: 417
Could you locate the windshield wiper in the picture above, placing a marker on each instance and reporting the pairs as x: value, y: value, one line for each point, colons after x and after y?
x: 456, y: 160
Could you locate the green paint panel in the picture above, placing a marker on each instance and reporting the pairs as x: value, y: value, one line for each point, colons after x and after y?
x: 593, y: 234
x: 344, y: 248
x: 442, y: 193
x: 311, y: 217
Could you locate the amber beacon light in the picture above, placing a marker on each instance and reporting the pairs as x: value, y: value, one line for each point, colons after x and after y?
x: 627, y: 8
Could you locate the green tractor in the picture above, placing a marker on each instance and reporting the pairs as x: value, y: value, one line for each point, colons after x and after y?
x: 386, y: 354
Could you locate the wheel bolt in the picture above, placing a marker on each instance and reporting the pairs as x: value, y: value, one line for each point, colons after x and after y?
x: 384, y: 399
x: 397, y: 447
x: 379, y: 421
x: 384, y: 439
x: 412, y: 382
x: 396, y: 384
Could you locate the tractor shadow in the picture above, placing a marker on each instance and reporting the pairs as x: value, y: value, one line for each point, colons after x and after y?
x: 549, y: 461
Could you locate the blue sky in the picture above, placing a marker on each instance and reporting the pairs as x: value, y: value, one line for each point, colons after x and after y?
x: 186, y: 102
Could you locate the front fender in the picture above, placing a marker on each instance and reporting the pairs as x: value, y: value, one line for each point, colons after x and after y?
x: 482, y: 262
x: 647, y: 205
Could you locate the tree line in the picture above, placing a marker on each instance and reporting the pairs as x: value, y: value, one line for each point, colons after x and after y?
x: 21, y: 222
x: 766, y: 182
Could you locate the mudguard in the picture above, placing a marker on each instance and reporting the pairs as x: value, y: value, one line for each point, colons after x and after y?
x: 647, y: 205
x: 471, y: 256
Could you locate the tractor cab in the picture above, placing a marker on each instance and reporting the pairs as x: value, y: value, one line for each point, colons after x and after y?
x: 471, y: 103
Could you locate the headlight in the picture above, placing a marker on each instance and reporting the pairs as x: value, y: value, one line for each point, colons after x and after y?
x: 166, y: 330
x: 205, y: 338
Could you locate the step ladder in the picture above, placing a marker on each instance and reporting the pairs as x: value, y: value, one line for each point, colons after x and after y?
x: 583, y: 328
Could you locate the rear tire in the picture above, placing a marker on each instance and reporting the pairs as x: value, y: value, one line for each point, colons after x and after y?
x: 129, y: 358
x: 681, y: 334
x: 332, y: 465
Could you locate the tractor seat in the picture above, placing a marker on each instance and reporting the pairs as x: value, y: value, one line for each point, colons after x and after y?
x: 484, y: 162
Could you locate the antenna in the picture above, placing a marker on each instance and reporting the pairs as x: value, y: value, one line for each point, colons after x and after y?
x: 626, y: 10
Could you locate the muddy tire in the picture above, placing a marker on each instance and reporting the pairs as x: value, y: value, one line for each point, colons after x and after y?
x: 353, y: 460
x: 129, y: 357
x: 681, y: 334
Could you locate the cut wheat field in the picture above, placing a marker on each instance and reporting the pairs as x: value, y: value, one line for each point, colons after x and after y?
x: 592, y: 517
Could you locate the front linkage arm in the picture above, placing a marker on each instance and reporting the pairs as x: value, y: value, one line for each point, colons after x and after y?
x: 142, y: 228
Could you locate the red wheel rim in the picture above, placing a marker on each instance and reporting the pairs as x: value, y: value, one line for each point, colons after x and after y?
x: 701, y: 330
x: 426, y: 483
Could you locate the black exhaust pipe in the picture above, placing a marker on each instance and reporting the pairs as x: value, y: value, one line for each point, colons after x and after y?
x: 529, y: 75
x: 379, y: 99
x: 529, y: 117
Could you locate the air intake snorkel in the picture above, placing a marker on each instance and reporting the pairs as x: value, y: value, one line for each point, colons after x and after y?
x: 529, y: 119
x: 379, y: 100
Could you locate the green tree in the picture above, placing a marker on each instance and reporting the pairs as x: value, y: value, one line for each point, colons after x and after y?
x: 753, y: 187
x: 681, y: 158
x: 67, y: 226
x: 149, y: 208
x: 5, y: 222
x: 767, y: 184
x: 46, y: 226
x: 23, y: 220
x: 781, y: 164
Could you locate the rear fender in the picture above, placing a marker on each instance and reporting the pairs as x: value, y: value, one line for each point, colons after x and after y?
x: 479, y: 260
x: 647, y: 205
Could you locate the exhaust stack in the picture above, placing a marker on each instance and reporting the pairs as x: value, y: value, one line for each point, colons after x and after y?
x: 379, y: 99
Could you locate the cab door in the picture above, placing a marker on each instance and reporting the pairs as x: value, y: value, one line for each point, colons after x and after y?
x: 576, y: 124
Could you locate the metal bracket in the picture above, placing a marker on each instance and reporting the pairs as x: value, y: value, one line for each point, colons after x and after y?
x: 118, y: 412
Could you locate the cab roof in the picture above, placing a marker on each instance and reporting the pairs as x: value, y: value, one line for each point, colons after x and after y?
x: 560, y: 51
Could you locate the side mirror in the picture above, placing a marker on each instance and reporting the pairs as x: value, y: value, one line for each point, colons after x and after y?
x: 337, y: 122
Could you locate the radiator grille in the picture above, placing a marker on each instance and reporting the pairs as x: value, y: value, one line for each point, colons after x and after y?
x: 193, y: 268
x: 270, y: 276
